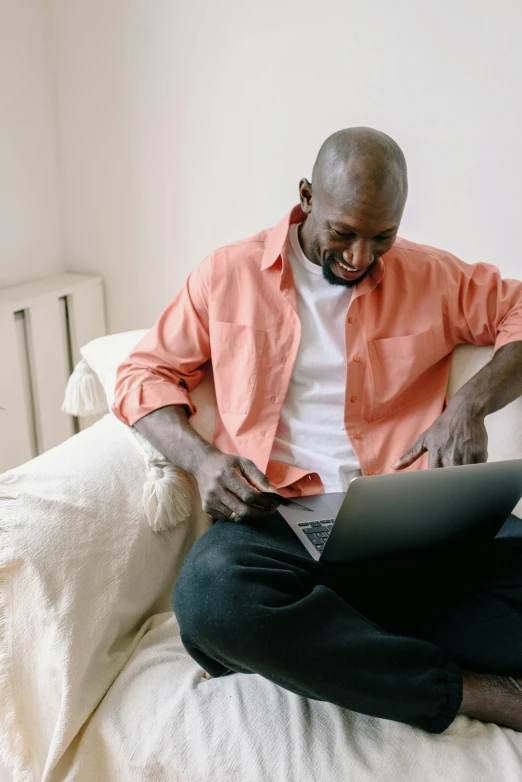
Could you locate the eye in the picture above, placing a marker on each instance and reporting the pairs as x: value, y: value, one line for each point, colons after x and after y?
x: 384, y: 238
x: 342, y: 236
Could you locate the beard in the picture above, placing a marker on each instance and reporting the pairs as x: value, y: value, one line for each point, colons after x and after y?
x: 331, y: 277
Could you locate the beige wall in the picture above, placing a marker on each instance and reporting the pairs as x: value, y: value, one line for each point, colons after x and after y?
x: 30, y: 234
x: 186, y: 125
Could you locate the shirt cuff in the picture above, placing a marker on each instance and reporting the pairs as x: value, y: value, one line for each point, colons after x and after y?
x: 145, y: 399
x: 293, y: 481
x: 505, y: 337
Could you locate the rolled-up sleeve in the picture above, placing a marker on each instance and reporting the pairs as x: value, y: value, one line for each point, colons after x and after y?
x: 168, y: 362
x: 483, y: 308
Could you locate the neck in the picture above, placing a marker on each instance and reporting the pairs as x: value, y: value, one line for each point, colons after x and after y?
x: 303, y: 234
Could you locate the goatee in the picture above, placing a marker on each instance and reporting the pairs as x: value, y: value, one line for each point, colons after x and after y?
x: 331, y: 277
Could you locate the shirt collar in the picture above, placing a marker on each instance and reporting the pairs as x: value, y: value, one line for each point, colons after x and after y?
x: 277, y: 238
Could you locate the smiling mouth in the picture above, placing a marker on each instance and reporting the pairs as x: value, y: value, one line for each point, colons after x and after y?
x: 345, y: 266
x: 338, y: 272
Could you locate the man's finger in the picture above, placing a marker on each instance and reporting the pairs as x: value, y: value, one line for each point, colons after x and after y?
x: 453, y: 459
x: 241, y: 509
x: 216, y: 509
x: 435, y: 460
x: 411, y: 455
x: 255, y: 476
x: 242, y: 485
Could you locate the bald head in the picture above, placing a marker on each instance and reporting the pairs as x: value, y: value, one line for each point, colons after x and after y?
x: 354, y: 204
x: 354, y: 158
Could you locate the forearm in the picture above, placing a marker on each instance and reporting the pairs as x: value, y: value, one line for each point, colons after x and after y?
x: 169, y: 431
x: 495, y: 385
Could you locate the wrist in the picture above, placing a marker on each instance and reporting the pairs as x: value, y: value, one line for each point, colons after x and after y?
x: 468, y: 406
x: 189, y: 453
x: 200, y: 455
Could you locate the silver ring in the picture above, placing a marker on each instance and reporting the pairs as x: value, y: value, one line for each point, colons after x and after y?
x: 232, y: 515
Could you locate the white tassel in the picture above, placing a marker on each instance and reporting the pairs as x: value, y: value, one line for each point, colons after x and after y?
x: 167, y: 496
x: 167, y: 493
x: 84, y: 394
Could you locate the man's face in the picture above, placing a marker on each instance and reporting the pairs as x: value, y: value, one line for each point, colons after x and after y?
x: 352, y: 227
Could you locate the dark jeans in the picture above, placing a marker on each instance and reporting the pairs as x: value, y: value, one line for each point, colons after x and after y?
x: 387, y: 638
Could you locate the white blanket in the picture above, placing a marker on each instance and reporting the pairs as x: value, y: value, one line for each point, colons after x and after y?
x: 95, y: 685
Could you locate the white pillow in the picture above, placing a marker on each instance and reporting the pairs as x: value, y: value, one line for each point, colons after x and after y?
x: 103, y: 356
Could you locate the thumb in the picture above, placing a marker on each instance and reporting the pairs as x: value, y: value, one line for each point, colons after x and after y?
x: 254, y: 476
x: 411, y: 455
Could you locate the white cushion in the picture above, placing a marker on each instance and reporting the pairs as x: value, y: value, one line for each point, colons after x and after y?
x: 105, y: 354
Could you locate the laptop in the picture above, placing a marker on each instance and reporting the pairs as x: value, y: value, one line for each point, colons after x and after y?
x: 382, y: 515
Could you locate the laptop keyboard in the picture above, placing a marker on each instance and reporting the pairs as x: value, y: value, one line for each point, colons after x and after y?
x: 317, y: 531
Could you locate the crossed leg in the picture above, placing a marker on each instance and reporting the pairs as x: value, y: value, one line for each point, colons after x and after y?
x: 416, y: 639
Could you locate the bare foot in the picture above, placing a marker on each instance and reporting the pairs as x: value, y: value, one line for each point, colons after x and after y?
x: 491, y: 698
x: 205, y: 675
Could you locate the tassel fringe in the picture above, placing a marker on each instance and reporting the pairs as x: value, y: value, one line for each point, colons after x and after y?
x: 167, y: 496
x: 84, y: 393
x: 167, y: 493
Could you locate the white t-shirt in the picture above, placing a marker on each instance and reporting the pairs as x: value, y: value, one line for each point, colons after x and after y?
x: 311, y: 432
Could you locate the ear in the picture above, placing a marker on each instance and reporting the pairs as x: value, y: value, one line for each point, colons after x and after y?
x: 305, y: 195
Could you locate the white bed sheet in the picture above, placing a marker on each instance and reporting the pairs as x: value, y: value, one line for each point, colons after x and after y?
x: 162, y: 721
x: 99, y: 688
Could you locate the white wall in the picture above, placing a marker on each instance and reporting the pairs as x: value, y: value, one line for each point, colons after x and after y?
x: 186, y: 125
x: 30, y: 234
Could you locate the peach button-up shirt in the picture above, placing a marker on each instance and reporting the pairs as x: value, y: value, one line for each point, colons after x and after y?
x: 239, y: 309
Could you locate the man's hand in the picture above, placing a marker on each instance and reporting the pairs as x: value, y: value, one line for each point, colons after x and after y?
x: 233, y: 484
x: 455, y: 437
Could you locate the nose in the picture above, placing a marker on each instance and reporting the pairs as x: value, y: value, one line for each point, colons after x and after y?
x: 358, y: 256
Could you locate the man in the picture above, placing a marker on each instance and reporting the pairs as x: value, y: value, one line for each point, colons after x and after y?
x: 331, y: 343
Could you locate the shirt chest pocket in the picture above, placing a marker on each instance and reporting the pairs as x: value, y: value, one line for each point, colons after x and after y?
x: 236, y: 352
x: 394, y: 371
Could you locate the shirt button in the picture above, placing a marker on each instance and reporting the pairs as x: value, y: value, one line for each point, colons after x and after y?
x: 356, y: 358
x: 353, y: 399
x: 273, y: 398
x: 371, y: 472
x: 350, y: 320
x: 356, y: 436
x: 263, y: 433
